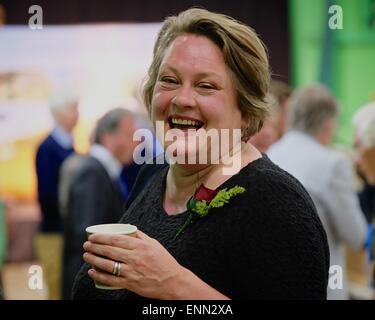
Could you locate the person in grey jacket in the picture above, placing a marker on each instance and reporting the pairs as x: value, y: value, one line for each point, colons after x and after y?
x: 326, y: 174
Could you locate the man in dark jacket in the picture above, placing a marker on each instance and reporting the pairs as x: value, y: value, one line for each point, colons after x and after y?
x: 98, y: 192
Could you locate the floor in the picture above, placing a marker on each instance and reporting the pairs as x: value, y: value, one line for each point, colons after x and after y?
x: 20, y: 282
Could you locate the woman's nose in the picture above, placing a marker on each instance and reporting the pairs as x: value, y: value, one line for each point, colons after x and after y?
x: 185, y: 98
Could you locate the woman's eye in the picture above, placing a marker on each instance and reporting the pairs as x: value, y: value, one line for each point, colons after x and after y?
x: 206, y: 86
x: 168, y: 80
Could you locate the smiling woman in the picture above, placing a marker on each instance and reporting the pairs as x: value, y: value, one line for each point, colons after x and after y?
x: 194, y: 84
x: 255, y: 233
x: 235, y: 62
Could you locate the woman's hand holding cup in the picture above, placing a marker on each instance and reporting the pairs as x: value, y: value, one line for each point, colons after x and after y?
x: 143, y: 265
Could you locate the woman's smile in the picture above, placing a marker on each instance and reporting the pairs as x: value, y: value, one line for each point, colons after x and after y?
x: 184, y: 123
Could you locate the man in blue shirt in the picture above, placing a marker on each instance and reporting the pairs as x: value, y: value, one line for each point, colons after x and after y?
x: 49, y: 157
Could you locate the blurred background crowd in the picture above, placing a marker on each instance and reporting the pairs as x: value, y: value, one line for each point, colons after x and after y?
x: 70, y: 104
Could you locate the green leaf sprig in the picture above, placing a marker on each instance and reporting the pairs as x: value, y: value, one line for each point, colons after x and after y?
x: 202, y: 207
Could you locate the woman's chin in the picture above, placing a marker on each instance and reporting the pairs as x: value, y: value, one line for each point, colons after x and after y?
x: 181, y: 156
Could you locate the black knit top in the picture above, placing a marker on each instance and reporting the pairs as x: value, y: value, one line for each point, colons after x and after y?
x: 266, y: 243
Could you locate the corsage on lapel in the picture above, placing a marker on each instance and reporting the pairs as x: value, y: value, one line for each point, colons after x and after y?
x: 204, y: 200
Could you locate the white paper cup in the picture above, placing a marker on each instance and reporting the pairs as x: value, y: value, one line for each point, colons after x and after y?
x: 113, y: 229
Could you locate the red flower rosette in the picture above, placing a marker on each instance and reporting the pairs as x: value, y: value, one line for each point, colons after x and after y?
x: 204, y: 196
x: 204, y: 193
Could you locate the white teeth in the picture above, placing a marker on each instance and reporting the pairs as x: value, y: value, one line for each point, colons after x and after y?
x: 185, y: 122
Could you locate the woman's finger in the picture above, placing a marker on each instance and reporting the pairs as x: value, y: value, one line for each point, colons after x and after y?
x: 141, y: 235
x: 107, y: 279
x: 107, y: 265
x: 99, y: 262
x: 113, y: 253
x: 122, y: 241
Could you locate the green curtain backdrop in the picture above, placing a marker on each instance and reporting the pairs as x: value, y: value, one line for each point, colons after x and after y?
x: 343, y: 59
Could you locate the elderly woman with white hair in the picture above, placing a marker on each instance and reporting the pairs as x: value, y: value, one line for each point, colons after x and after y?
x: 364, y: 126
x: 364, y: 130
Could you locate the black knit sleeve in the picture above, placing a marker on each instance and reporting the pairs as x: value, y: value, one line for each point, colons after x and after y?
x: 279, y: 250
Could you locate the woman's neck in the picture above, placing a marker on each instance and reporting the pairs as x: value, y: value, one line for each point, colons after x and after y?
x: 181, y: 185
x: 183, y: 181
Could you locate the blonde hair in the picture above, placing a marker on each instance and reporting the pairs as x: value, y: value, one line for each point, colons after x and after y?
x: 244, y: 53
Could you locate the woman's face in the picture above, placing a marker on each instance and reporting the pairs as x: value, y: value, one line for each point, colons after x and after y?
x: 194, y: 86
